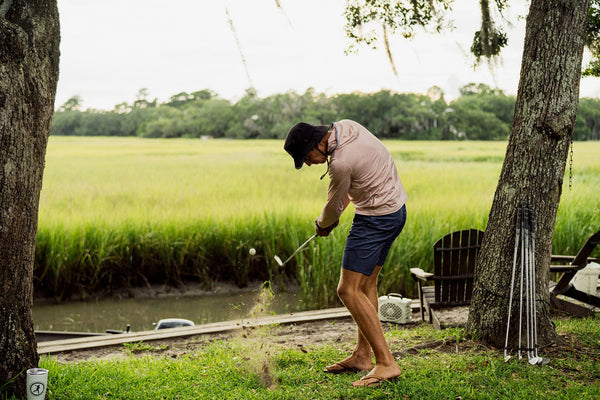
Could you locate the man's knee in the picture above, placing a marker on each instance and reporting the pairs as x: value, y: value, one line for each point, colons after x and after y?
x: 341, y: 291
x: 345, y: 291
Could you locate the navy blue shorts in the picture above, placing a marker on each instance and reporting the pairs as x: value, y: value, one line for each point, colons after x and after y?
x: 370, y: 240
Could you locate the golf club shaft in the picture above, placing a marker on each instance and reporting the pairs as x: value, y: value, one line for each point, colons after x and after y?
x: 512, y: 280
x: 522, y: 262
x: 300, y: 248
x: 533, y: 289
x: 528, y: 286
x: 531, y: 284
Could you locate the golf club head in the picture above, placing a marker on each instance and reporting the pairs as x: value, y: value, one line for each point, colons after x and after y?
x: 278, y: 260
x: 532, y: 360
x: 506, y: 358
x: 543, y: 361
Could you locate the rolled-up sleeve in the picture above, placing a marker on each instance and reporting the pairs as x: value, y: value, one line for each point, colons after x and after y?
x: 337, y: 195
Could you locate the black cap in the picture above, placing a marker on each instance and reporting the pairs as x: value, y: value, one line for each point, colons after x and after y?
x: 301, y: 139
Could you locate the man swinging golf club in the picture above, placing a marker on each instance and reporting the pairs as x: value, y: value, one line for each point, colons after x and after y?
x: 362, y: 171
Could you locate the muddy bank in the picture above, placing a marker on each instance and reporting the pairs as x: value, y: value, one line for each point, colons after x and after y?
x: 166, y: 291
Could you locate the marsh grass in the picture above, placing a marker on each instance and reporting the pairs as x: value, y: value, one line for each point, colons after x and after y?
x: 129, y: 212
x: 220, y: 370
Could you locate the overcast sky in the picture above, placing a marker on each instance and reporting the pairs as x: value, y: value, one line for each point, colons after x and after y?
x: 111, y: 49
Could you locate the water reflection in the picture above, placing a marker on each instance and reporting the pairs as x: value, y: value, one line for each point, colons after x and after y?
x: 141, y: 313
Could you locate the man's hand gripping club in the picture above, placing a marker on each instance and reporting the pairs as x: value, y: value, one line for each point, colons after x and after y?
x: 319, y: 231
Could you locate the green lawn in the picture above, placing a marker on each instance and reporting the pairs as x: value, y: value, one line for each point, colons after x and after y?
x: 255, y: 367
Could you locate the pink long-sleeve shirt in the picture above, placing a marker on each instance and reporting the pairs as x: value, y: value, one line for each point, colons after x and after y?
x: 361, y: 171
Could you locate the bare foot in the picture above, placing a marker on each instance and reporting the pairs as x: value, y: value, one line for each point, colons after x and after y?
x: 351, y: 364
x: 378, y: 375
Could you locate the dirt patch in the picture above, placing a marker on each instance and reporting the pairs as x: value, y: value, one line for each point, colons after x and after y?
x: 300, y: 336
x: 303, y: 337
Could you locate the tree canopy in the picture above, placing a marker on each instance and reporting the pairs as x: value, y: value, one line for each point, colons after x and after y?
x: 479, y: 113
x: 369, y: 22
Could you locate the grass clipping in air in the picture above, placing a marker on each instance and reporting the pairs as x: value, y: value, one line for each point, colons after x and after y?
x: 260, y: 349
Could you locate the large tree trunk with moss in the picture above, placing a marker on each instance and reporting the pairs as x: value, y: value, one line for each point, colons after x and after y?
x: 534, y: 165
x: 29, y: 53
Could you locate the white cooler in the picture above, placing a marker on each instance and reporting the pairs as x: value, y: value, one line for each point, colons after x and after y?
x: 394, y: 308
x: 586, y: 279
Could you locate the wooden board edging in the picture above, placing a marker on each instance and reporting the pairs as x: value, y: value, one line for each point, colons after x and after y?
x: 83, y: 343
x: 58, y: 346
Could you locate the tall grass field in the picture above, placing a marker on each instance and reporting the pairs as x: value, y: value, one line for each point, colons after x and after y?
x: 127, y: 212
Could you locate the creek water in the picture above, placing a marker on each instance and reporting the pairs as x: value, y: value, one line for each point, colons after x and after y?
x: 142, y: 313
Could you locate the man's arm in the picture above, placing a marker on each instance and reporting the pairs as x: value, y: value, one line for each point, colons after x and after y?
x: 337, y: 197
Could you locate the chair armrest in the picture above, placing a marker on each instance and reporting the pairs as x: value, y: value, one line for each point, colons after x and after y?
x: 419, y: 274
x: 555, y: 258
x: 563, y: 268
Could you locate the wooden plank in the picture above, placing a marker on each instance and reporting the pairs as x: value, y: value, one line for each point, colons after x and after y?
x: 571, y: 308
x: 59, y: 346
x: 451, y: 249
x: 454, y: 265
x: 462, y: 264
x: 586, y: 250
x: 437, y: 268
x: 446, y: 259
x: 476, y: 238
x: 83, y: 343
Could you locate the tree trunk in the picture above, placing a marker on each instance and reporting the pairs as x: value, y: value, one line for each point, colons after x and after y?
x: 29, y: 53
x: 534, y: 165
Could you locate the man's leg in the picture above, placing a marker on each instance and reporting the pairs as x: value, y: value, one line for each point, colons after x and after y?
x: 358, y: 292
x: 361, y: 356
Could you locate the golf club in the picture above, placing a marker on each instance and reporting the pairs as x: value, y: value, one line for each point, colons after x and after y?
x: 512, y: 283
x: 525, y: 242
x: 529, y: 316
x: 537, y: 360
x: 524, y: 226
x: 281, y: 264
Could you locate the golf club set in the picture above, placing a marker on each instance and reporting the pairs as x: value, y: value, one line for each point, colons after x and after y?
x: 524, y: 255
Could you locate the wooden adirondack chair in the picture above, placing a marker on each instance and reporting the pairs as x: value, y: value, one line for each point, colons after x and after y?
x: 454, y: 257
x: 568, y: 266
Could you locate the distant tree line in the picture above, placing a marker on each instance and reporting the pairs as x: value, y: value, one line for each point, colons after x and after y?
x: 479, y: 113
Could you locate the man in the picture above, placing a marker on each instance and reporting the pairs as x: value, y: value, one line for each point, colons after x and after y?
x: 361, y: 171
